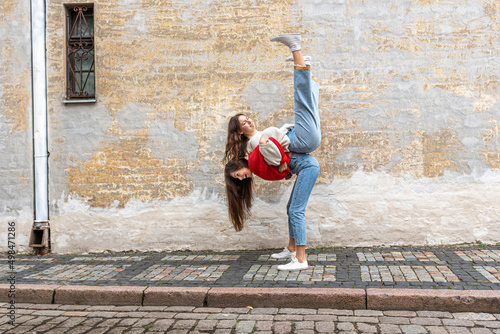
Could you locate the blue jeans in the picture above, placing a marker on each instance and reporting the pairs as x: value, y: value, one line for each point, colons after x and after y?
x: 305, y: 136
x: 307, y: 169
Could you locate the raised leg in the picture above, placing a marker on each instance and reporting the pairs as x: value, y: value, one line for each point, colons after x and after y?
x: 305, y: 136
x: 298, y: 59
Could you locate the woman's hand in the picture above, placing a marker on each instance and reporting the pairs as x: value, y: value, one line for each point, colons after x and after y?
x: 263, y: 139
x: 282, y: 167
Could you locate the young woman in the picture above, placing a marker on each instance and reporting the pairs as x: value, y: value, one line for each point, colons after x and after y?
x: 273, y: 153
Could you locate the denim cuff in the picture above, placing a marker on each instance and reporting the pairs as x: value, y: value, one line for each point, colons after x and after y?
x: 302, y: 68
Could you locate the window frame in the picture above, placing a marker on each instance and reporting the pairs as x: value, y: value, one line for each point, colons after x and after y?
x: 79, y: 53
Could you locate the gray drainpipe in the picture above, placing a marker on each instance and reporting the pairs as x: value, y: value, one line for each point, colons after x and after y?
x: 40, y: 234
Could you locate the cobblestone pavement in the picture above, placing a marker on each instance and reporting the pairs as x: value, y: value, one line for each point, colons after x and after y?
x: 463, y: 268
x: 75, y: 319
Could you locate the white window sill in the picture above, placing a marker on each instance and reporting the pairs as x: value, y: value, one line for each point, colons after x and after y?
x: 80, y: 101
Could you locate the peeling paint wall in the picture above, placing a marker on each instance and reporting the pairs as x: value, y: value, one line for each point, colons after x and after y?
x: 16, y: 186
x: 410, y: 121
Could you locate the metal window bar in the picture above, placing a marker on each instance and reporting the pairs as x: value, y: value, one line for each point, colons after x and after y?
x: 80, y: 52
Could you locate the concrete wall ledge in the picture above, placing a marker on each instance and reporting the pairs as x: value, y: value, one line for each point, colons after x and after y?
x: 372, y: 298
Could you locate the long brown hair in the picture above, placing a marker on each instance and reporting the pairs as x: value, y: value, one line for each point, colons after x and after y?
x: 238, y: 193
x: 236, y: 144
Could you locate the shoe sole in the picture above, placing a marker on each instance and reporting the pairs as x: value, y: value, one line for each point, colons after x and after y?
x: 274, y: 38
x: 297, y: 269
x: 279, y: 258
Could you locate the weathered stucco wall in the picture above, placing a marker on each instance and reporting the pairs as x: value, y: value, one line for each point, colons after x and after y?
x: 16, y: 181
x: 410, y: 121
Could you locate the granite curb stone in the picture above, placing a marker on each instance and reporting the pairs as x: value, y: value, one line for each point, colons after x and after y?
x: 98, y: 295
x: 175, y: 296
x: 287, y: 297
x: 241, y: 297
x: 434, y: 300
x: 28, y: 293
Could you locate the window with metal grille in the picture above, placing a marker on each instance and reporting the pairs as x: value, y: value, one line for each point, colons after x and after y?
x: 80, y: 64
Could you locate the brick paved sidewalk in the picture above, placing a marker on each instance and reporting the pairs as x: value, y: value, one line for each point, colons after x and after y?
x: 75, y: 319
x: 441, y: 279
x: 459, y: 268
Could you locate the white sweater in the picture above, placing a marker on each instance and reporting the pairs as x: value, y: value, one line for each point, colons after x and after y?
x: 269, y: 151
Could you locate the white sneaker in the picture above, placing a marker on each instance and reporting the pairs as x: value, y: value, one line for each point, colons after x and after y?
x: 307, y: 59
x: 285, y: 254
x: 290, y: 40
x: 294, y: 265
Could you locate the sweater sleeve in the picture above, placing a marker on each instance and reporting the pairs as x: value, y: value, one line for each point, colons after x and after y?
x: 261, y: 168
x: 271, y: 153
x: 254, y: 141
x: 279, y: 135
